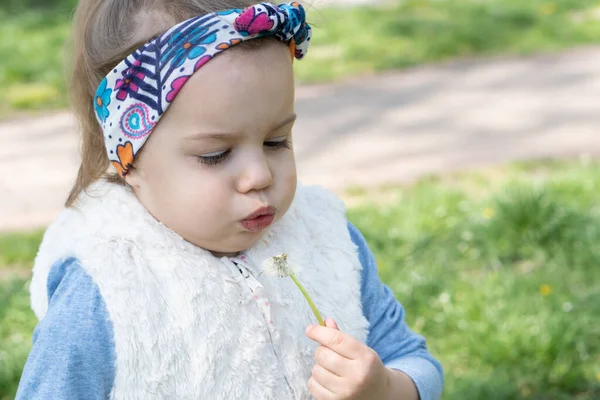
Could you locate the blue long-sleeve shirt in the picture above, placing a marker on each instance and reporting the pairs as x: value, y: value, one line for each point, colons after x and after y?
x: 73, y: 355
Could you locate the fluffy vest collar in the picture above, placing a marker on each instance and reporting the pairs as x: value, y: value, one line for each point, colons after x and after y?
x: 186, y: 325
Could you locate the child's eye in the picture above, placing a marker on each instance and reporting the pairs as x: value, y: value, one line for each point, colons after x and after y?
x: 278, y: 144
x: 214, y: 158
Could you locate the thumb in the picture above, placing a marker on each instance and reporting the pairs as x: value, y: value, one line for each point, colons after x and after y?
x: 330, y: 323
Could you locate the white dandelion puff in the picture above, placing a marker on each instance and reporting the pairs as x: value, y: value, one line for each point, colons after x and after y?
x: 280, y: 267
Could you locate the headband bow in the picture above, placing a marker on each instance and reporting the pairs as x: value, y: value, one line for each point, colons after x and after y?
x: 136, y: 93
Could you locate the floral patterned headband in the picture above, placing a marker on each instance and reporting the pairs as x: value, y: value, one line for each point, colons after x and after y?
x: 137, y: 92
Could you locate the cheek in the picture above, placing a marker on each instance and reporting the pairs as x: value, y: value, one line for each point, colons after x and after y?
x: 286, y: 176
x: 187, y: 188
x: 195, y: 205
x: 201, y: 190
x: 288, y: 166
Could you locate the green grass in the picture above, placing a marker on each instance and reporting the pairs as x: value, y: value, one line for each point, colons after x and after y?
x: 16, y: 327
x: 17, y: 252
x: 410, y: 32
x: 32, y: 60
x: 499, y: 269
x: 346, y: 41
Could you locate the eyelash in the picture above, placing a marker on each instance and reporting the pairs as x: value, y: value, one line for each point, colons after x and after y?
x: 219, y: 158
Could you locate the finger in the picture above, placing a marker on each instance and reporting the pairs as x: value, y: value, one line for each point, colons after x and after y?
x: 330, y: 323
x: 332, y: 361
x: 340, y: 342
x: 329, y: 381
x: 318, y: 391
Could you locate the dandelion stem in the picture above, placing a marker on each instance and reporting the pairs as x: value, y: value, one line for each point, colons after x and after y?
x: 307, y: 297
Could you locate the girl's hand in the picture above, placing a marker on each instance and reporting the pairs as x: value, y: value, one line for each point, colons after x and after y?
x: 345, y: 368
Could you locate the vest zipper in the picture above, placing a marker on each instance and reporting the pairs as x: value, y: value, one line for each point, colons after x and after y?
x: 246, y: 273
x: 279, y: 358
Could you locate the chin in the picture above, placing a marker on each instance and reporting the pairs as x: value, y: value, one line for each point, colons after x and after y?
x: 248, y: 239
x: 243, y: 242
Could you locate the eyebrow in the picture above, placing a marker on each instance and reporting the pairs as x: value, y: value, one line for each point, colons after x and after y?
x: 223, y: 135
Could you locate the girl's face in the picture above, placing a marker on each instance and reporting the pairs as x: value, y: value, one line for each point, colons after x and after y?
x: 223, y: 151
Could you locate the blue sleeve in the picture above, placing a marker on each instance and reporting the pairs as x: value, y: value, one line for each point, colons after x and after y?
x: 73, y: 352
x: 398, y: 347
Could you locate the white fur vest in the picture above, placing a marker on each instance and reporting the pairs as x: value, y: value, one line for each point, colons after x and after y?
x: 185, y: 323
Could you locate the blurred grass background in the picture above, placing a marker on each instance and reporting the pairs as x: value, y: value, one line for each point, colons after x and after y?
x: 497, y: 268
x: 347, y: 41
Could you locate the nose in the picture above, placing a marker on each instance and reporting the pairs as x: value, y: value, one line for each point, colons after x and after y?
x: 256, y: 174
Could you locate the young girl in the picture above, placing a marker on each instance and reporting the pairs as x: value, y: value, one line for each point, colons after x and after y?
x: 149, y: 285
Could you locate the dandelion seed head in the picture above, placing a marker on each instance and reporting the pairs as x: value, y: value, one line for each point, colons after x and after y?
x: 278, y: 266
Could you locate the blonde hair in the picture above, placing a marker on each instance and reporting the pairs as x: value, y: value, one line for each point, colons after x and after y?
x: 104, y: 33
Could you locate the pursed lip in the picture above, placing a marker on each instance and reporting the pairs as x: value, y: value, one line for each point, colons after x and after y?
x: 260, y: 212
x: 259, y: 219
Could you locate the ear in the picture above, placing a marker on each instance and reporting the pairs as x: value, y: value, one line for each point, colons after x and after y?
x: 135, y: 177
